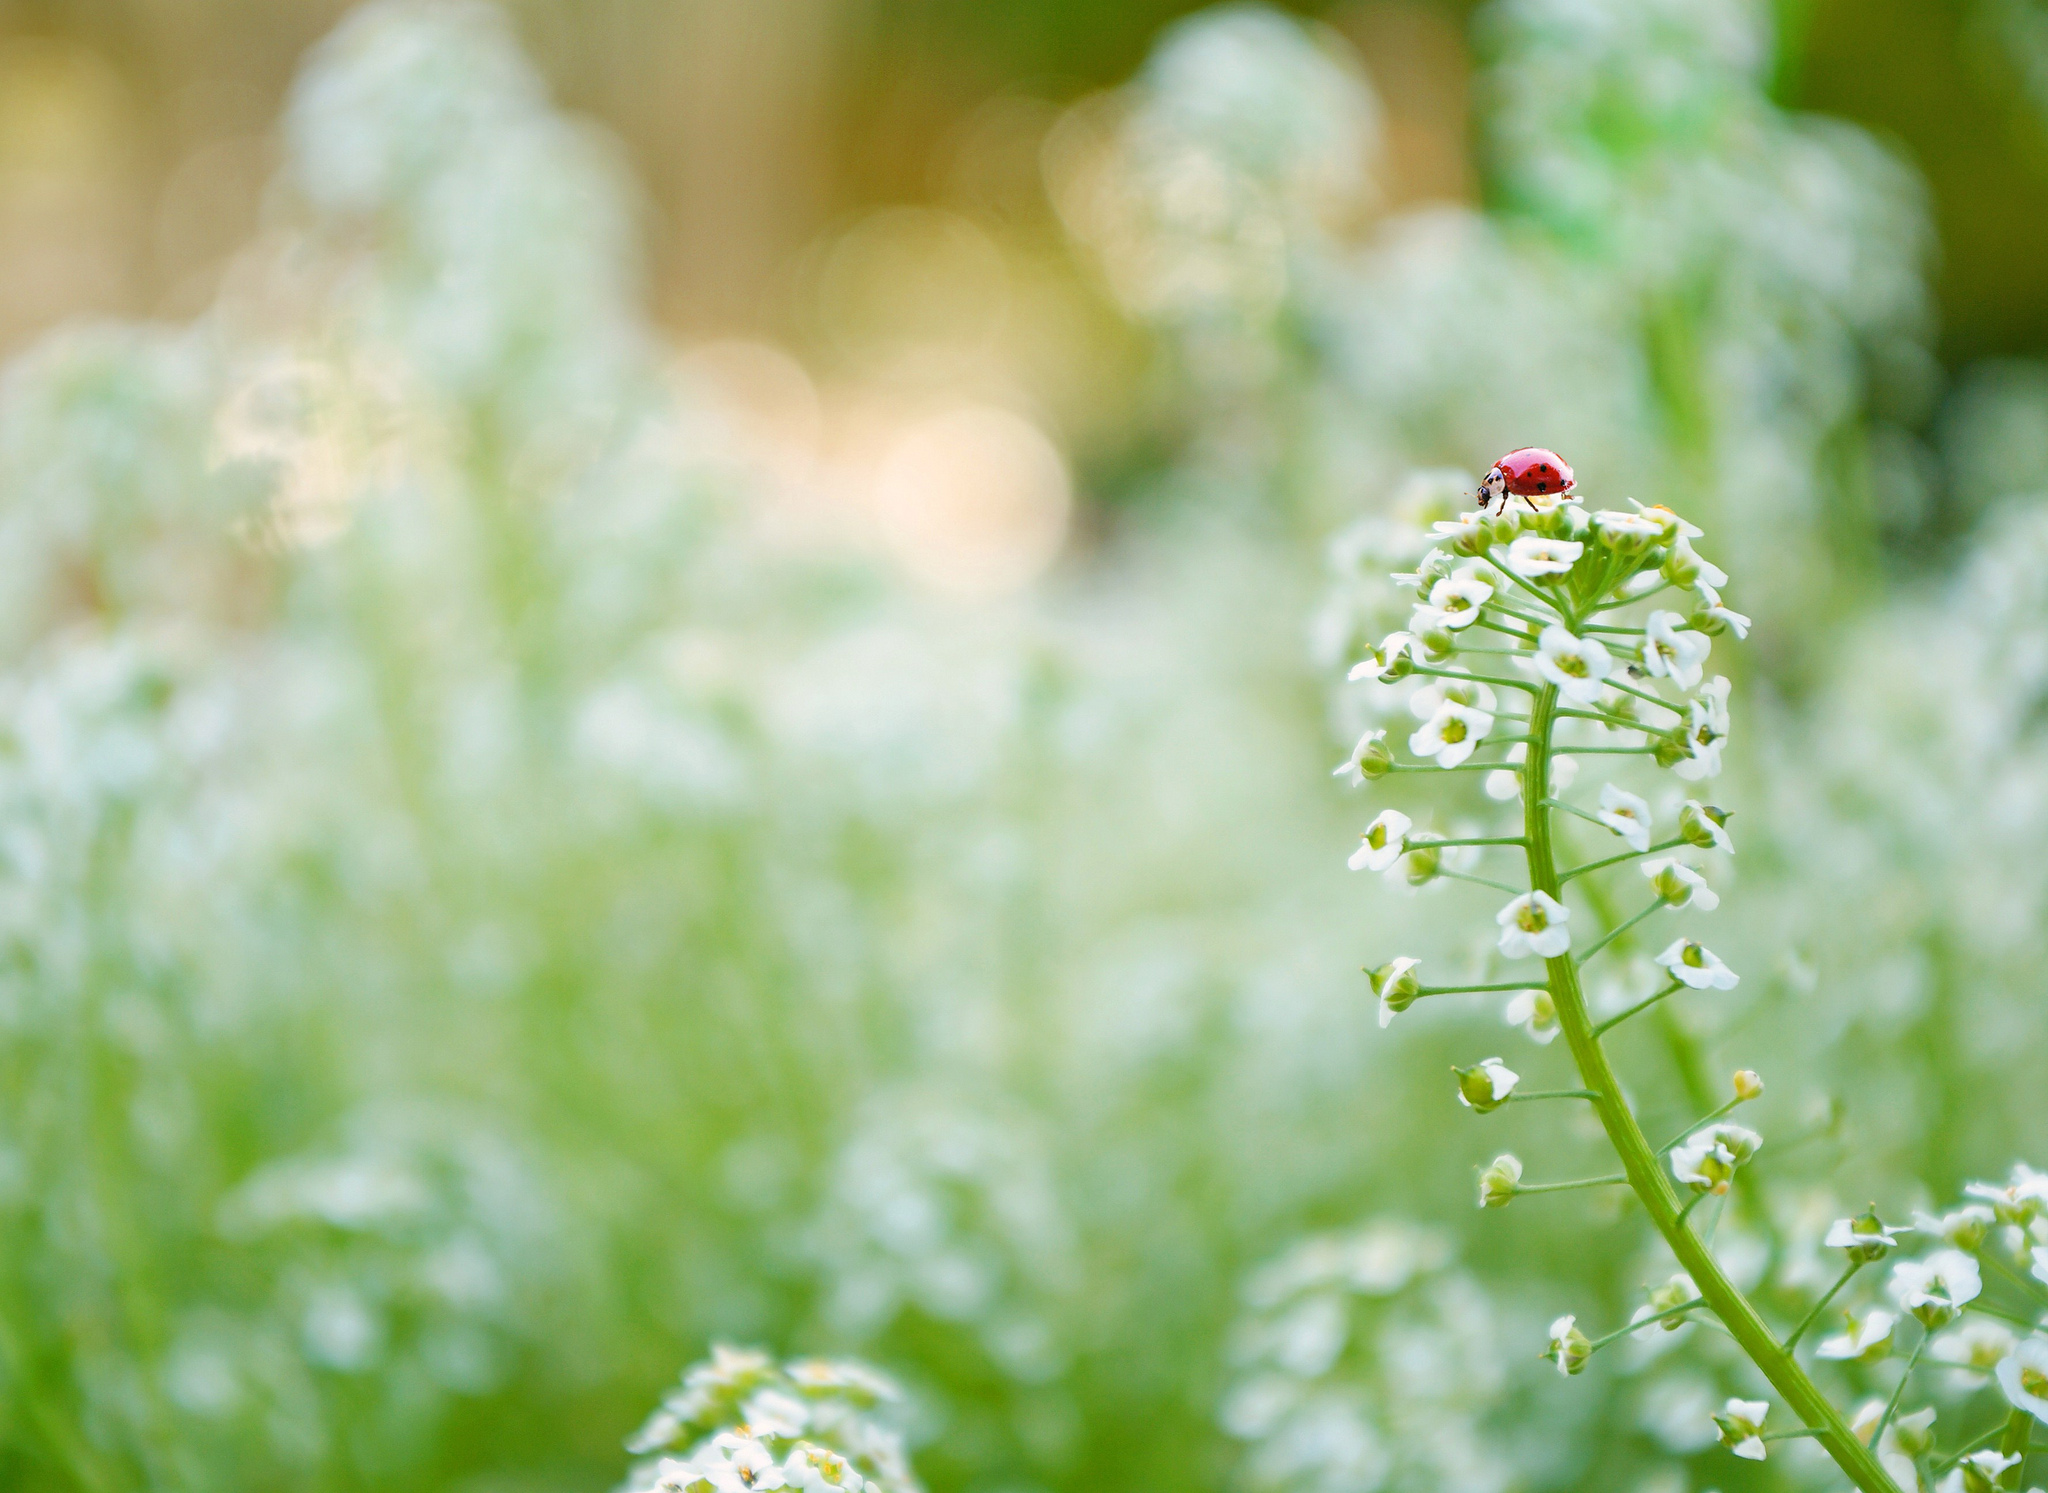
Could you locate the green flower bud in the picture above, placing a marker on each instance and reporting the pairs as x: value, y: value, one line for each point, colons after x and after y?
x: 1569, y: 1348
x: 1395, y: 984
x: 1423, y: 863
x: 1486, y: 1085
x: 1704, y: 825
x: 1439, y: 644
x: 1498, y: 1183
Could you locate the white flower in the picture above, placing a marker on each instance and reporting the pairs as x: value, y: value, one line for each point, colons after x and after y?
x: 1705, y: 826
x: 1569, y: 1348
x: 1978, y: 1472
x: 1907, y: 1437
x: 1715, y: 617
x: 1451, y: 734
x: 1936, y: 1288
x: 1532, y: 555
x: 1685, y: 569
x: 1534, y: 923
x: 1432, y: 697
x: 1865, y: 1236
x: 1577, y: 666
x: 1705, y: 733
x: 1974, y: 1344
x: 1708, y: 1160
x: 773, y: 1413
x: 1533, y: 1012
x: 1867, y: 1334
x: 1383, y: 841
x: 1697, y: 966
x: 1672, y: 650
x: 1395, y: 984
x: 1741, y: 1424
x: 1963, y: 1229
x: 1497, y: 1183
x: 1369, y: 759
x: 1668, y: 523
x: 1620, y: 528
x: 813, y: 1469
x: 746, y: 1467
x: 2020, y: 1201
x: 1681, y: 886
x: 1456, y: 599
x: 1627, y: 815
x: 1486, y: 1085
x: 1502, y: 785
x: 2023, y: 1375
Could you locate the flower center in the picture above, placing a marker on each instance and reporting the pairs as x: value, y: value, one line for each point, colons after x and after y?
x: 1531, y: 919
x: 1572, y: 664
x: 1453, y: 730
x: 2034, y: 1382
x: 1693, y: 956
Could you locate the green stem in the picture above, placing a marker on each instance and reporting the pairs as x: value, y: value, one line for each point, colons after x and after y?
x: 1494, y: 840
x: 1575, y: 1186
x: 1822, y: 1304
x: 1618, y: 929
x: 1789, y: 1435
x: 1637, y: 1009
x: 1615, y: 860
x: 1646, y: 1176
x: 1892, y: 1406
x: 1469, y: 989
x: 1641, y: 1322
x: 1520, y: 1098
x: 1558, y: 803
x: 1521, y: 684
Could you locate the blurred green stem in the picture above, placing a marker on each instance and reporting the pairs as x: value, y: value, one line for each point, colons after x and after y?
x: 1645, y: 1175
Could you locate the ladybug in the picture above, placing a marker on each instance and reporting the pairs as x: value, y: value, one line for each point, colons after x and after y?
x: 1529, y: 472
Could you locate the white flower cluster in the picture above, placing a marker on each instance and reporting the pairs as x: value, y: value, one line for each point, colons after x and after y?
x: 743, y: 1423
x: 1365, y: 1360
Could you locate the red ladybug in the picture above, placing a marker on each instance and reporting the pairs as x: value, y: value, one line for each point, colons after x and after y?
x: 1529, y: 472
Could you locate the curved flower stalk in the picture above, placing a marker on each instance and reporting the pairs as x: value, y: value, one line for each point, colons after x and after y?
x: 1551, y: 631
x: 743, y: 1423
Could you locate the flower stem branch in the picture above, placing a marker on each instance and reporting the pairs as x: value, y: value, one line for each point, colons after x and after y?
x: 1641, y: 1322
x: 1667, y: 1147
x: 1521, y: 1098
x: 1617, y: 1180
x: 1636, y: 1010
x: 1615, y: 860
x: 1642, y: 1167
x: 1822, y: 1304
x: 1892, y: 1406
x: 1617, y: 930
x: 1498, y: 886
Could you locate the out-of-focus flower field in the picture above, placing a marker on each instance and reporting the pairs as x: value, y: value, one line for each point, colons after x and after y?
x: 530, y: 847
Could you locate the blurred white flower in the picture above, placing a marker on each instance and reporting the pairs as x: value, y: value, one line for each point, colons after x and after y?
x: 1936, y: 1288
x: 1534, y: 924
x: 1672, y: 650
x: 1627, y: 815
x: 1741, y: 1424
x: 1531, y: 555
x: 1868, y: 1334
x: 1533, y: 1012
x: 1679, y: 885
x: 1706, y: 732
x: 1708, y: 1159
x: 2023, y: 1376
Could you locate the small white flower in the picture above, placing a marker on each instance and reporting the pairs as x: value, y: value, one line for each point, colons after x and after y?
x: 1868, y: 1334
x: 1705, y: 733
x: 1370, y: 759
x: 1669, y: 524
x: 746, y: 1467
x: 1486, y: 1085
x: 1577, y: 666
x: 1534, y: 923
x: 1705, y: 826
x: 1456, y: 599
x: 1627, y: 815
x: 1697, y: 966
x: 1974, y: 1344
x: 1741, y: 1424
x: 1469, y: 527
x: 1672, y: 650
x: 1534, y: 1013
x: 1936, y: 1288
x: 1978, y: 1472
x: 1383, y: 841
x: 1569, y: 1348
x: 1621, y: 528
x: 1865, y: 1237
x: 1908, y: 1437
x: 1432, y: 697
x: 1497, y: 1183
x: 1679, y: 885
x: 1708, y: 1160
x: 1716, y: 616
x: 773, y: 1413
x: 2020, y: 1201
x: 1963, y: 1229
x: 1685, y: 569
x: 1451, y: 734
x: 1531, y: 555
x: 1395, y: 984
x: 2023, y: 1375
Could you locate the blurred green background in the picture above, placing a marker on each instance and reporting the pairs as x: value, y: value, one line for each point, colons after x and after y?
x: 671, y: 669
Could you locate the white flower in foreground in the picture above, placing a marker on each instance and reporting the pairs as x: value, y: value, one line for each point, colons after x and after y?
x: 1978, y: 1472
x: 1627, y: 815
x: 1577, y: 666
x: 1452, y: 734
x: 1534, y: 923
x: 1395, y: 984
x: 2023, y: 1375
x: 1680, y: 885
x: 1964, y: 1229
x: 746, y: 1466
x: 1669, y: 524
x: 1383, y: 841
x: 1697, y: 966
x: 1708, y: 1159
x: 1705, y: 826
x: 1936, y: 1288
x: 1685, y: 569
x: 1868, y: 1335
x: 1741, y: 1424
x: 1534, y: 1012
x: 1975, y: 1344
x: 1531, y: 555
x: 1569, y: 1348
x: 1865, y: 1236
x: 1631, y: 533
x: 1674, y: 651
x: 1369, y: 760
x: 813, y: 1469
x: 1706, y: 732
x: 1486, y: 1085
x: 1456, y: 599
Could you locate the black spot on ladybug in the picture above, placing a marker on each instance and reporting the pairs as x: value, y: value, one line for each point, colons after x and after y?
x: 1543, y: 487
